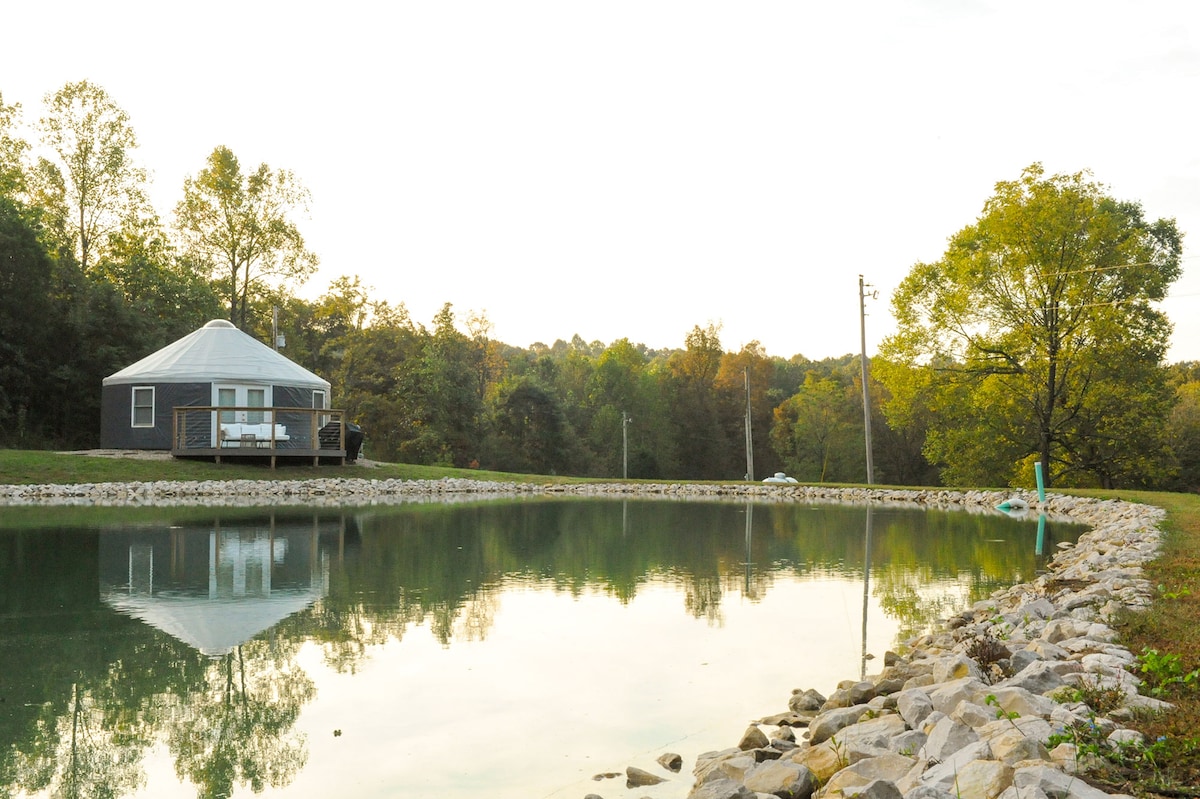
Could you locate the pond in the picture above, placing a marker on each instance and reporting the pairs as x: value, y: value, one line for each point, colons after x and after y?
x: 506, y: 648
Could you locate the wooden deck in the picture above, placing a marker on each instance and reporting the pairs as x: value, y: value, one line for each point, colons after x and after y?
x: 259, y: 434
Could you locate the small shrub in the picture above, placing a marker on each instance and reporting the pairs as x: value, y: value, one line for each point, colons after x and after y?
x: 1101, y: 699
x: 987, y: 651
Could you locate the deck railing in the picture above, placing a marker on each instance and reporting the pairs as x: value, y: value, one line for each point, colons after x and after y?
x: 244, y: 430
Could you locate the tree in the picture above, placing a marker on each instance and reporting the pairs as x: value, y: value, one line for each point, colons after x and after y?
x: 240, y: 225
x: 703, y: 447
x: 92, y: 187
x: 534, y: 435
x: 316, y: 333
x: 372, y: 374
x: 900, y: 426
x: 1030, y: 319
x: 750, y: 366
x: 167, y: 295
x: 624, y: 394
x: 12, y: 151
x: 26, y: 284
x: 448, y: 376
x: 1184, y: 431
x: 818, y: 432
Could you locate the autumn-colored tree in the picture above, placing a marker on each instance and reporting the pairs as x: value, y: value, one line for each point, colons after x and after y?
x: 748, y: 372
x: 703, y: 447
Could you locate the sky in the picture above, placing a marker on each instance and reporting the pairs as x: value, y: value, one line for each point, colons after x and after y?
x: 634, y: 168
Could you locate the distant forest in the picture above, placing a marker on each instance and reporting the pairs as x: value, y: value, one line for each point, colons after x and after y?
x: 1060, y: 364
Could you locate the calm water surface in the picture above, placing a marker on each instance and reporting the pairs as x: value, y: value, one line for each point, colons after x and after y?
x: 510, y: 648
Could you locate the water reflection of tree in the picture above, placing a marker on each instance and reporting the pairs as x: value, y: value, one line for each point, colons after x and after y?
x: 702, y: 598
x: 911, y: 599
x: 240, y: 729
x: 231, y: 724
x: 87, y: 751
x: 443, y: 566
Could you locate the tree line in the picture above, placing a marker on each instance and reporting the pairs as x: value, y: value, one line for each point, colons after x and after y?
x: 1035, y: 339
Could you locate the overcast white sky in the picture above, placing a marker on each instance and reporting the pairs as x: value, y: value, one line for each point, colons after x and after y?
x: 632, y: 168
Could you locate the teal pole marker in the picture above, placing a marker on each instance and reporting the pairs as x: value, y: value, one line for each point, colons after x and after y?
x: 1041, y: 483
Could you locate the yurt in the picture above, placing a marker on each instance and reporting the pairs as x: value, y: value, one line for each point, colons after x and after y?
x: 217, y: 365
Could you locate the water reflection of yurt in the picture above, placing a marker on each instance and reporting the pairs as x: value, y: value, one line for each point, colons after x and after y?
x: 217, y: 585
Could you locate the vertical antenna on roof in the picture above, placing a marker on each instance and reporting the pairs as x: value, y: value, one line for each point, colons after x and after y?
x: 280, y: 341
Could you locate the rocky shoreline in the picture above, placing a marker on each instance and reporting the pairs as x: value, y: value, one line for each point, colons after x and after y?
x: 962, y: 713
x: 366, y: 491
x: 967, y: 712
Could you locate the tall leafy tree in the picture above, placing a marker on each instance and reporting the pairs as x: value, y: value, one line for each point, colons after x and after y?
x: 12, y: 151
x: 900, y: 427
x: 26, y: 285
x: 629, y: 417
x: 166, y: 293
x: 453, y: 404
x: 372, y: 374
x: 315, y: 333
x: 1031, y: 318
x: 489, y: 352
x: 753, y: 369
x: 818, y: 432
x: 702, y: 442
x: 242, y: 226
x: 1183, y: 429
x: 89, y: 186
x: 533, y: 433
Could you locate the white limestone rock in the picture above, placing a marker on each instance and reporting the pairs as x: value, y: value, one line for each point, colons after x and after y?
x: 914, y: 705
x: 781, y: 778
x: 888, y: 767
x: 1055, y: 783
x: 947, y: 737
x: 830, y: 722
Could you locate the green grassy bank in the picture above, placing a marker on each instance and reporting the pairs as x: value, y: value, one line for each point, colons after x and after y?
x: 1168, y: 634
x: 31, y: 467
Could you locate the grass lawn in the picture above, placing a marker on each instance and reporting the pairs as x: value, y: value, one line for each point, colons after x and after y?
x: 31, y: 467
x: 1168, y: 633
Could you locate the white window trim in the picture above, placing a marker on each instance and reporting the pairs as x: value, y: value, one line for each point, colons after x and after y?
x: 324, y: 399
x: 133, y: 406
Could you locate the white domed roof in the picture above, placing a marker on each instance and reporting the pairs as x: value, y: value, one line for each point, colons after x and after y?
x: 217, y: 351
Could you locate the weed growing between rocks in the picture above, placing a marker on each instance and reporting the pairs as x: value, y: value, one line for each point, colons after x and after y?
x: 1102, y: 699
x: 987, y: 650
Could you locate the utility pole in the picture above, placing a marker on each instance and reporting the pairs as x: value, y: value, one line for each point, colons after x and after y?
x: 749, y: 431
x: 625, y: 420
x: 862, y: 324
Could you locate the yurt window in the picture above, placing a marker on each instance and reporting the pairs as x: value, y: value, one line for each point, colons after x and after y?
x: 143, y: 406
x: 256, y: 398
x: 225, y: 398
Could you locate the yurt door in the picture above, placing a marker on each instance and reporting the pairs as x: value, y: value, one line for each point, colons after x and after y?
x: 234, y: 396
